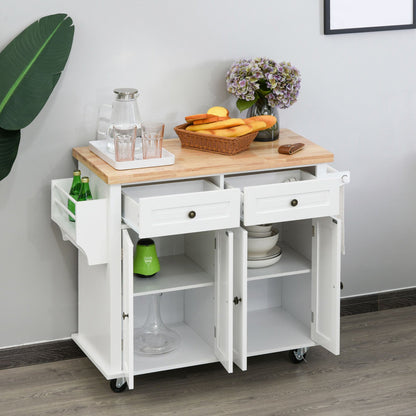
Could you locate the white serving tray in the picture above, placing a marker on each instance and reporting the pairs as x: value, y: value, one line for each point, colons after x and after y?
x: 99, y: 147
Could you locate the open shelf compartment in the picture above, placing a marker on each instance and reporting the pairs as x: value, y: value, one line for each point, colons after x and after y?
x: 177, y: 272
x: 273, y: 330
x: 279, y: 314
x: 89, y: 231
x: 191, y: 314
x: 193, y: 350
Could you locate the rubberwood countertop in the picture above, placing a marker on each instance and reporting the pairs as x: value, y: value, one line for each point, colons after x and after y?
x: 192, y: 163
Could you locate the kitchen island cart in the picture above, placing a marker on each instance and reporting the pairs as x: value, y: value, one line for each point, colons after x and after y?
x: 196, y: 211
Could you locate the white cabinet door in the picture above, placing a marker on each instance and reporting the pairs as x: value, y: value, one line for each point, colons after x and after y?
x: 240, y: 297
x: 326, y: 253
x: 128, y: 311
x: 223, y: 299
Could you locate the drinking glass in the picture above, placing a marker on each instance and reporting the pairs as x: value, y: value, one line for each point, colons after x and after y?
x: 103, y: 121
x: 124, y: 147
x: 152, y: 138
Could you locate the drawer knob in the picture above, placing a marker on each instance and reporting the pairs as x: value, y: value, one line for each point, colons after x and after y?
x: 294, y: 202
x: 192, y: 214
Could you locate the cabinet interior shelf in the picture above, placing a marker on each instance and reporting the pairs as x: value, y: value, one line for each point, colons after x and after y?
x: 192, y: 350
x: 273, y: 330
x: 291, y: 263
x: 177, y: 272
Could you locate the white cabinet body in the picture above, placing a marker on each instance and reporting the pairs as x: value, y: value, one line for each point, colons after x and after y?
x: 224, y: 311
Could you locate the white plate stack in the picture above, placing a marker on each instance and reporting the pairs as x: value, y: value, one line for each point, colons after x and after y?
x: 262, y: 248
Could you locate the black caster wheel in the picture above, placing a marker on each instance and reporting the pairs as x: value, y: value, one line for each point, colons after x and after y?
x: 118, y: 385
x: 297, y: 356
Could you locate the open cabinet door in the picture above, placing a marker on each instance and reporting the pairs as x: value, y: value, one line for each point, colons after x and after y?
x: 240, y: 298
x: 128, y: 311
x: 223, y: 299
x: 326, y: 269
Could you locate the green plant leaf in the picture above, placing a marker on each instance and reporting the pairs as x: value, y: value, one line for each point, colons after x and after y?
x: 30, y: 67
x: 9, y: 144
x: 243, y: 104
x: 263, y: 93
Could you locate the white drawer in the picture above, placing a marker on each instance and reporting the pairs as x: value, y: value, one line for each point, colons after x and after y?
x: 286, y: 195
x: 179, y: 208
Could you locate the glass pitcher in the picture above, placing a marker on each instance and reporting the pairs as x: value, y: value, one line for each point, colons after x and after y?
x: 125, y: 117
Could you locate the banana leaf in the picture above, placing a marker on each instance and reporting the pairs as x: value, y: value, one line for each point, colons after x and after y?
x: 30, y: 67
x: 9, y: 144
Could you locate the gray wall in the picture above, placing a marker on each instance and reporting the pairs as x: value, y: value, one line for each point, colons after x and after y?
x: 358, y: 99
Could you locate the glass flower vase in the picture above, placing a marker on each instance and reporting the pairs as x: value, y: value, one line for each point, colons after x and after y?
x: 260, y: 108
x: 154, y: 337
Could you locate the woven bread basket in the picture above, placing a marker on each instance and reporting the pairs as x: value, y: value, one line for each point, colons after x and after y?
x: 215, y: 144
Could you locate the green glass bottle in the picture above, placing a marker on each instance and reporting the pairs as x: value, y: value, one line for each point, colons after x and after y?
x: 85, y: 193
x: 74, y: 192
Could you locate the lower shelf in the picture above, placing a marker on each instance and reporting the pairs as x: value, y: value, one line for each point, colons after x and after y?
x: 96, y: 357
x: 193, y: 350
x: 274, y: 329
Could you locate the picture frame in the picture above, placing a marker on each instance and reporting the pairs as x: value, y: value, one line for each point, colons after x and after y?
x: 351, y: 16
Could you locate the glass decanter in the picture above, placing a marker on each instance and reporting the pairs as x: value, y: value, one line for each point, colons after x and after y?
x: 125, y: 117
x: 154, y: 337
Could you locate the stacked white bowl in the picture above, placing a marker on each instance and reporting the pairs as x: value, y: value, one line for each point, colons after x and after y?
x: 261, y: 245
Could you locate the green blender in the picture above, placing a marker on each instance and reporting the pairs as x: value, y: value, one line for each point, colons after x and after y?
x: 146, y: 263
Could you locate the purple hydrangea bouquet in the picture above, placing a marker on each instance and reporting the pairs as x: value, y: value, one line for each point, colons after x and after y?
x: 251, y: 80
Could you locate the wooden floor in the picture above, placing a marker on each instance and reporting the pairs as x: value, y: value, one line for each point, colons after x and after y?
x: 374, y: 375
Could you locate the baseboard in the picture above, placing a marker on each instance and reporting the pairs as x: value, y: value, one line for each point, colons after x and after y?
x: 67, y: 349
x: 44, y: 352
x: 378, y: 301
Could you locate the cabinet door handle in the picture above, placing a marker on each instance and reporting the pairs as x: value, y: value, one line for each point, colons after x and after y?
x: 191, y: 214
x: 294, y: 202
x: 125, y: 315
x: 236, y: 300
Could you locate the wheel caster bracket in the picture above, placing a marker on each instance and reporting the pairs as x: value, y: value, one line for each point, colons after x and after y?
x: 298, y: 355
x: 118, y: 384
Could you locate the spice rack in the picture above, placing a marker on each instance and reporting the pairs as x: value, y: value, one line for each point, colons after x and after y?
x: 89, y: 231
